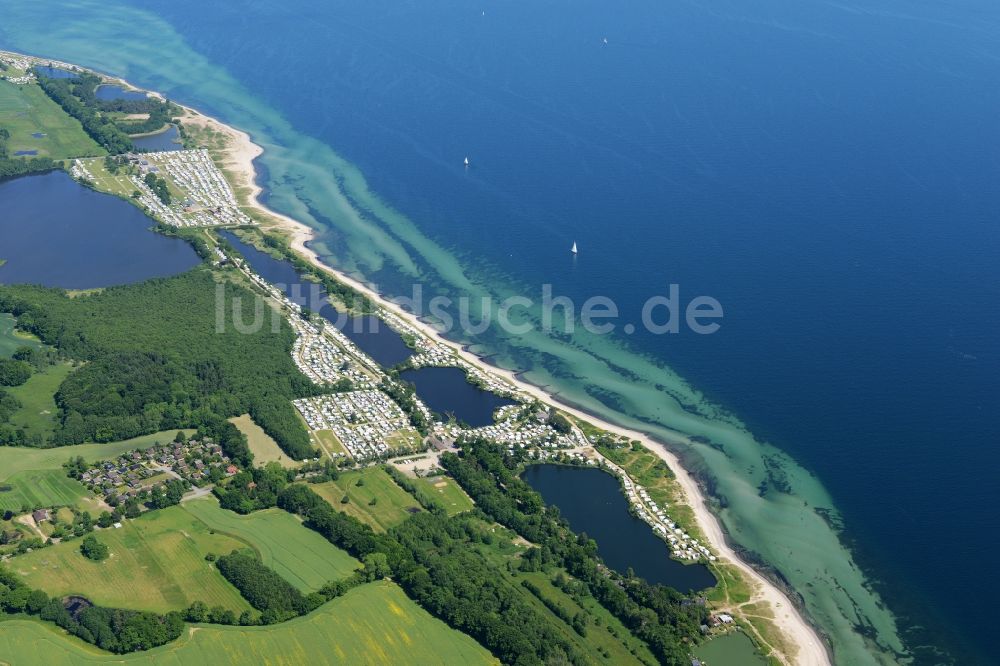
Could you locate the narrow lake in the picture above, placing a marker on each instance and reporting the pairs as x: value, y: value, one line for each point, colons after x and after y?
x: 446, y: 391
x: 54, y: 72
x: 112, y: 91
x: 592, y: 501
x: 168, y: 139
x: 55, y: 232
x: 371, y: 336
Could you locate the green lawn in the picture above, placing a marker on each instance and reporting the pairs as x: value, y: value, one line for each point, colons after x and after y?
x: 392, y: 503
x: 36, y: 477
x: 38, y: 411
x: 157, y: 563
x: 372, y: 624
x: 26, y: 110
x: 449, y: 493
x: 263, y: 447
x: 298, y: 554
x: 11, y: 340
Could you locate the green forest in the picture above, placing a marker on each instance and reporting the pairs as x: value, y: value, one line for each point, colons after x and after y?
x: 155, y: 360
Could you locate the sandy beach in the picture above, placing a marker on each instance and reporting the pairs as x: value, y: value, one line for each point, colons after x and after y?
x: 237, y: 162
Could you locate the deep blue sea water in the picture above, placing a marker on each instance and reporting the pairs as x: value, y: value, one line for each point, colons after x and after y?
x: 827, y: 170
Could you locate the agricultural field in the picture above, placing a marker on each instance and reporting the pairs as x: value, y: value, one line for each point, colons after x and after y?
x: 38, y: 411
x: 36, y: 477
x: 26, y: 111
x: 298, y: 554
x: 264, y: 448
x: 448, y: 492
x: 41, y: 488
x: 371, y: 624
x: 392, y: 503
x: 157, y: 563
x: 11, y: 340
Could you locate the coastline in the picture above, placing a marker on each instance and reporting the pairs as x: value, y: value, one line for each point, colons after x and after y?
x: 242, y: 152
x: 238, y: 163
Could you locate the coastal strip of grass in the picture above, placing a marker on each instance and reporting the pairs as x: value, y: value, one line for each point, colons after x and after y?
x: 157, y: 563
x: 296, y: 553
x: 372, y: 624
x: 373, y: 497
x: 26, y: 111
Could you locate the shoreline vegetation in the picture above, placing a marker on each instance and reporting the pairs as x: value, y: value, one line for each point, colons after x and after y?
x: 234, y: 153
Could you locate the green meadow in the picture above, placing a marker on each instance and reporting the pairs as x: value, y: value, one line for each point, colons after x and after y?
x: 38, y: 411
x: 262, y: 445
x: 371, y: 624
x: 448, y: 492
x: 157, y: 563
x: 10, y: 340
x: 391, y: 505
x: 26, y: 110
x: 298, y: 554
x: 35, y: 476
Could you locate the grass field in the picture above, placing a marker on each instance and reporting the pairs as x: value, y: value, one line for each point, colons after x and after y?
x: 372, y: 624
x: 117, y: 184
x: 264, y: 448
x: 40, y: 488
x: 38, y: 411
x: 36, y: 477
x: 326, y: 440
x: 11, y: 340
x: 393, y: 504
x: 449, y: 493
x: 26, y: 110
x: 298, y: 554
x: 157, y: 563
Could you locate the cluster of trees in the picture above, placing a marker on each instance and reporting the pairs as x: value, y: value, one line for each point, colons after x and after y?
x: 111, y: 629
x: 11, y: 167
x: 197, y: 375
x: 404, y: 394
x: 253, y: 489
x: 14, y: 372
x: 663, y: 618
x: 276, y: 598
x: 84, y: 87
x: 430, y: 557
x: 93, y: 549
x: 159, y: 187
x: 66, y: 93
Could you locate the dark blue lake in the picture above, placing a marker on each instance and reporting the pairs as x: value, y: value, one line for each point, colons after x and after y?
x: 592, y: 501
x: 55, y: 232
x: 168, y: 139
x: 446, y: 391
x: 54, y: 72
x: 111, y: 91
x: 369, y: 333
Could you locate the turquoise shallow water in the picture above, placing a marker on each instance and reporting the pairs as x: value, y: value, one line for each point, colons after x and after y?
x: 824, y: 170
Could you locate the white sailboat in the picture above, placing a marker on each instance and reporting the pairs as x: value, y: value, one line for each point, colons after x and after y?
x: 466, y: 161
x: 573, y: 249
